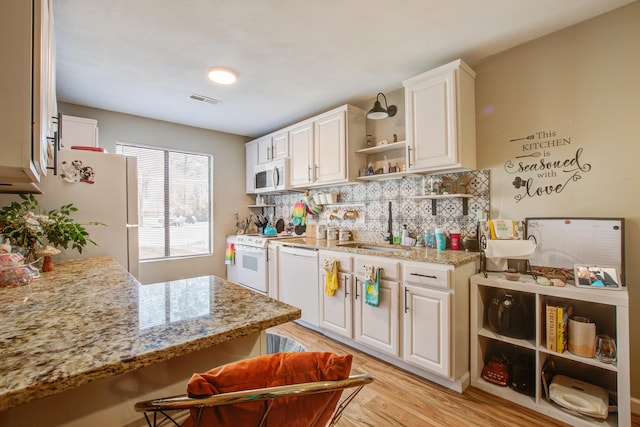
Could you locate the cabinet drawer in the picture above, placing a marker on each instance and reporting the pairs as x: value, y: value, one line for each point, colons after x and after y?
x: 345, y: 262
x: 432, y: 275
x: 390, y: 267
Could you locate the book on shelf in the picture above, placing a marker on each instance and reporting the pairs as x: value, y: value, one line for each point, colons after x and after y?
x: 551, y: 327
x: 557, y: 318
x: 563, y: 313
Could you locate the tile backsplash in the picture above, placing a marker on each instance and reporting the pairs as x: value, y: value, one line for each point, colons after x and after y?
x: 371, y: 201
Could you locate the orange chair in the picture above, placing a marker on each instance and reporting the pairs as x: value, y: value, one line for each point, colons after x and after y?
x: 282, y: 389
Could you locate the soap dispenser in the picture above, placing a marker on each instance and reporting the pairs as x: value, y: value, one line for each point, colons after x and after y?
x: 405, y: 234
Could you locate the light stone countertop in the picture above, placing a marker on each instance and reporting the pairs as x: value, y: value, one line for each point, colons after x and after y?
x: 90, y: 319
x: 410, y: 253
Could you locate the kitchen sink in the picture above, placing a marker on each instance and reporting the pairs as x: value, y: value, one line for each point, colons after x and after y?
x: 374, y: 247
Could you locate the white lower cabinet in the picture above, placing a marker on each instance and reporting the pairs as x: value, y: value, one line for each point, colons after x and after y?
x: 377, y: 327
x: 421, y: 322
x: 336, y: 311
x: 425, y: 329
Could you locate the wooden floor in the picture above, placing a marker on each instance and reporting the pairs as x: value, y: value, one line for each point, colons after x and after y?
x: 399, y: 398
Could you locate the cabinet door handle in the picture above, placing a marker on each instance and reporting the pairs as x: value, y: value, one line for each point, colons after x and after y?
x: 56, y: 145
x: 315, y: 173
x: 424, y: 275
x: 357, y: 288
x: 58, y: 121
x: 406, y: 307
x: 309, y: 174
x: 346, y: 287
x: 408, y: 157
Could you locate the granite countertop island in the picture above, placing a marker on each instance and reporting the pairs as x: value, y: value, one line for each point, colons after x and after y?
x: 90, y: 319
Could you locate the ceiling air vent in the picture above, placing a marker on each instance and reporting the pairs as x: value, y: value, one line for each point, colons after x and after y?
x: 206, y: 99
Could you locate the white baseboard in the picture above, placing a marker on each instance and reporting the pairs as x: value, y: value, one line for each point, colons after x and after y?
x: 635, y: 405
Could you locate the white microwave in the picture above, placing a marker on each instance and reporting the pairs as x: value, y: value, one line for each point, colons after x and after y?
x: 272, y: 177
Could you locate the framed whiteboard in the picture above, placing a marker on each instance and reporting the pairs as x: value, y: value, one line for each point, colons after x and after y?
x: 565, y: 242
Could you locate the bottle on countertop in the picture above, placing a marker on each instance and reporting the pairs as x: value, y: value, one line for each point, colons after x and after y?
x: 429, y: 237
x: 454, y: 237
x: 441, y: 239
x: 405, y: 234
x: 397, y: 236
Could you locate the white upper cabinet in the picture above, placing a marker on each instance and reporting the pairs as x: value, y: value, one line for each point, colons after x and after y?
x: 330, y: 148
x: 440, y: 119
x: 44, y: 83
x: 280, y: 146
x: 273, y: 147
x: 322, y: 148
x: 79, y: 131
x: 28, y: 102
x: 264, y: 149
x: 301, y: 164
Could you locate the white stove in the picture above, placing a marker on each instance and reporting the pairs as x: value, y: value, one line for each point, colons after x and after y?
x: 252, y: 260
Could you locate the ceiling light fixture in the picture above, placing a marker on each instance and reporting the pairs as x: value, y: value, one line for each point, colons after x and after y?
x: 377, y: 112
x: 223, y: 75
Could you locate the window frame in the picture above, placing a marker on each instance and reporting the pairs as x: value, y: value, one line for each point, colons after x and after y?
x: 166, y: 200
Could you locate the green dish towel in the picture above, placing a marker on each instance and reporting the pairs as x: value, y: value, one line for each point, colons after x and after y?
x: 372, y: 285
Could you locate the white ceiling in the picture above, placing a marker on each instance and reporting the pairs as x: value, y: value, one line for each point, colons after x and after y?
x: 295, y: 58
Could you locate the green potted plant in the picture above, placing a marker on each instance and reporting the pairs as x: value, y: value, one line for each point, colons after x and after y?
x: 30, y: 229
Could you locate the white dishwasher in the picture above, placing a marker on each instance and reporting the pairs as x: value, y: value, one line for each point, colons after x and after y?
x: 298, y: 282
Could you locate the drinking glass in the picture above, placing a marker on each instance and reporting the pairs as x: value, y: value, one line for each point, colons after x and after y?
x: 606, y: 349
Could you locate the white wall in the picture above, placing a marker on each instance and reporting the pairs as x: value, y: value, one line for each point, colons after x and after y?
x: 228, y: 177
x: 579, y: 87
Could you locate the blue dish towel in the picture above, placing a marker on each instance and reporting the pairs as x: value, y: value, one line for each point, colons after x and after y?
x: 372, y: 285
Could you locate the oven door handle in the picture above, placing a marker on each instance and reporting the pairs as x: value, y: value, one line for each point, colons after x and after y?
x: 249, y: 249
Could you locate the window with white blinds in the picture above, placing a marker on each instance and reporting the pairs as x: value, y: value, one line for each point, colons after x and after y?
x: 174, y: 201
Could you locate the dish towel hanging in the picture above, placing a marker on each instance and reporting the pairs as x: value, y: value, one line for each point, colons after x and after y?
x: 230, y: 254
x: 331, y: 276
x: 299, y: 214
x: 371, y: 285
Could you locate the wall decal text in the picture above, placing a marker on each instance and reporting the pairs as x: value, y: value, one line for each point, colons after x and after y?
x: 539, y: 171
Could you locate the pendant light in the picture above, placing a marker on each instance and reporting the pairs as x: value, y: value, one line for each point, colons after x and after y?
x: 377, y: 112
